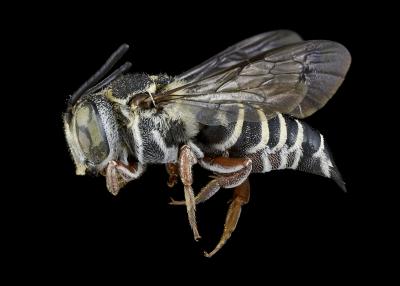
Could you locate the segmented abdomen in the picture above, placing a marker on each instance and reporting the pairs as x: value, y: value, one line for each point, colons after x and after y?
x: 281, y: 142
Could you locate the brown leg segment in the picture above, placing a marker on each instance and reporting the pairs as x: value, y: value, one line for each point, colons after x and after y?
x: 233, y: 171
x: 119, y: 174
x: 241, y: 196
x: 186, y: 160
x: 173, y: 172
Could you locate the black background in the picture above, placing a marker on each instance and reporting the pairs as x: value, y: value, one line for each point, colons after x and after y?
x: 296, y: 225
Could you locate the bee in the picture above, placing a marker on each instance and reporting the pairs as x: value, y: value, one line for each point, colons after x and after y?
x: 235, y: 114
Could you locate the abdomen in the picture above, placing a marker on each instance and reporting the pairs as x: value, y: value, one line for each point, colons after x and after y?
x: 278, y: 143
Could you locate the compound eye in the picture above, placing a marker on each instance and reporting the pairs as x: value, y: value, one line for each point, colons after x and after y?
x: 90, y: 132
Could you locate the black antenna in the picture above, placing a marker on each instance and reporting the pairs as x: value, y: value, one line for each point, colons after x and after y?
x: 126, y: 66
x: 106, y: 67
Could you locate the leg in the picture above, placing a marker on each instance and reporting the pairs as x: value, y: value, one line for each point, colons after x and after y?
x: 119, y: 174
x: 241, y: 196
x: 186, y: 160
x: 233, y: 171
x: 173, y: 172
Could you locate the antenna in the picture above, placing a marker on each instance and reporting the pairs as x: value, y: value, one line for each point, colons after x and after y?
x: 105, y: 68
x: 126, y: 66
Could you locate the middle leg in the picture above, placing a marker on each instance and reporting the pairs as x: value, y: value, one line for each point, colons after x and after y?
x: 173, y: 173
x: 186, y: 161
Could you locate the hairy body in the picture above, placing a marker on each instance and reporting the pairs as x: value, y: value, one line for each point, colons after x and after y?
x: 235, y: 114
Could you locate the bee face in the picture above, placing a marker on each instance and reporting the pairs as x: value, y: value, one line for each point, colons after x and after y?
x: 90, y: 133
x: 90, y: 129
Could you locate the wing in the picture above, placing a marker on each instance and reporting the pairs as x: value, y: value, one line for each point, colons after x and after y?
x: 240, y: 52
x: 296, y: 79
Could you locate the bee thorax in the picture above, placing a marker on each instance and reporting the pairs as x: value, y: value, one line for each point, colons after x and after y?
x: 156, y: 136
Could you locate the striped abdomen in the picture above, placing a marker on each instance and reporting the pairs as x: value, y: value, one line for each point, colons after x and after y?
x: 278, y: 143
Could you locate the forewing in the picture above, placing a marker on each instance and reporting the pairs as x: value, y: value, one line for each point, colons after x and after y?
x: 297, y: 79
x: 240, y: 52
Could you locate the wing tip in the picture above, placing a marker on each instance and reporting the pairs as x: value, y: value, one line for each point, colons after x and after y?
x: 342, y: 54
x: 345, y: 57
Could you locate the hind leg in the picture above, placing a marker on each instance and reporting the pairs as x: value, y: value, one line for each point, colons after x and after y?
x: 231, y: 173
x: 241, y: 196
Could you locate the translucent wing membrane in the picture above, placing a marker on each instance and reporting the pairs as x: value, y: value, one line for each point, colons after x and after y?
x: 240, y: 52
x: 296, y: 79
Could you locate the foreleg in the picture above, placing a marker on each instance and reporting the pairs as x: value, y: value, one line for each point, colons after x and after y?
x: 119, y: 174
